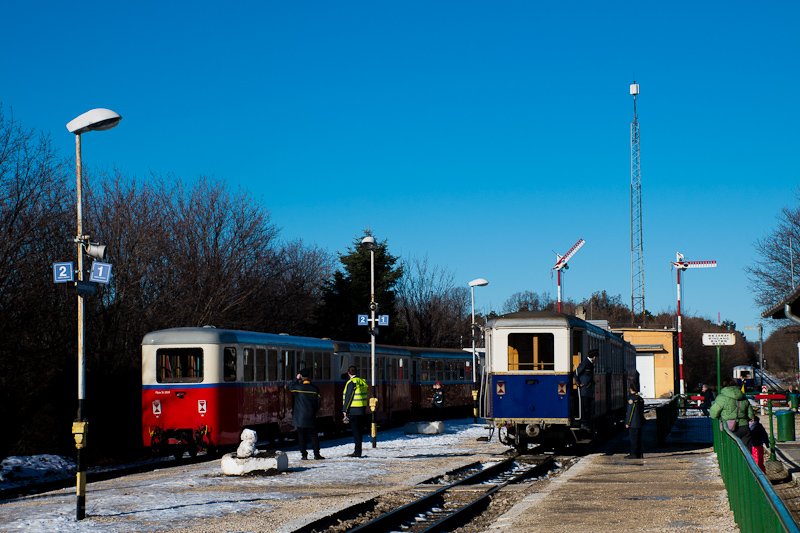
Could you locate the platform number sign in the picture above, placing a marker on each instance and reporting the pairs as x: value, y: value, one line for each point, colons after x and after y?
x: 63, y: 273
x: 383, y: 320
x: 101, y: 272
x: 363, y: 320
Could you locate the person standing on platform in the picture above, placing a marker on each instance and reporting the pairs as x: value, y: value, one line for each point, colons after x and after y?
x: 634, y: 421
x: 733, y: 409
x: 305, y: 397
x: 354, y: 406
x: 585, y: 376
x: 708, y: 398
x: 758, y: 439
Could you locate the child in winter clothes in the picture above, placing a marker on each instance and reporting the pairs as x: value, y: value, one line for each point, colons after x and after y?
x: 758, y: 439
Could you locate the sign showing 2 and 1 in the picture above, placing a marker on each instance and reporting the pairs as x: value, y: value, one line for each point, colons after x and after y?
x: 65, y: 272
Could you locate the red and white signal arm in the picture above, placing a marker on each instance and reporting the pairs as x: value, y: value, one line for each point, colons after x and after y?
x: 201, y: 407
x: 501, y: 388
x: 562, y: 388
x: 157, y: 407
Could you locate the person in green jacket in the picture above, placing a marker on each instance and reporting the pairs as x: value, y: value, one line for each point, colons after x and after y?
x: 731, y: 404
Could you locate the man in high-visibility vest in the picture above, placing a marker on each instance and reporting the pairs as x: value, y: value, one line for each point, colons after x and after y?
x: 354, y: 406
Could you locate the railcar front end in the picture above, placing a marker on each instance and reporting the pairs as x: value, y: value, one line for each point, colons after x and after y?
x: 528, y: 390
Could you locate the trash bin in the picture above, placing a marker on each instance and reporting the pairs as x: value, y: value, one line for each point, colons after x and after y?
x: 793, y: 400
x: 785, y: 425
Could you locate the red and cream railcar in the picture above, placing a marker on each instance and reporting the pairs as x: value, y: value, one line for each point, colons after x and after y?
x: 202, y: 386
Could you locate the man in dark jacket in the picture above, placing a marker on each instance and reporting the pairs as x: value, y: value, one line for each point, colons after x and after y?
x: 585, y: 376
x: 634, y: 420
x: 305, y: 396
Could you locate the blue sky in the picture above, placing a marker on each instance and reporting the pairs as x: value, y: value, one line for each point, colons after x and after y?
x: 484, y: 136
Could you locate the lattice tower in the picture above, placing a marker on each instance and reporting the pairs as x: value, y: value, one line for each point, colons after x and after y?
x: 637, y: 249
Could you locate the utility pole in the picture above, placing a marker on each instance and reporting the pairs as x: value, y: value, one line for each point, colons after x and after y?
x: 637, y: 248
x: 760, y: 328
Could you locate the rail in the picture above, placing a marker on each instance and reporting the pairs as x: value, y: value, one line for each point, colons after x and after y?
x: 755, y: 505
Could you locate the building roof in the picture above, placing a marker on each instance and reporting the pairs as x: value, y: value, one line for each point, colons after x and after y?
x: 778, y: 312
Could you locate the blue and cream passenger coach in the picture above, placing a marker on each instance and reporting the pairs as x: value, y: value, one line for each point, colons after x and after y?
x: 528, y: 388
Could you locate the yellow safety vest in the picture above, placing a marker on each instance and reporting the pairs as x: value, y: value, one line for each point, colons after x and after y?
x: 359, y: 392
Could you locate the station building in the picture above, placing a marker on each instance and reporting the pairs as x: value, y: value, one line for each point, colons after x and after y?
x: 656, y: 359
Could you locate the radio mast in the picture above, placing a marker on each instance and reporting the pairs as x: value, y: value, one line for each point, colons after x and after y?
x: 637, y: 256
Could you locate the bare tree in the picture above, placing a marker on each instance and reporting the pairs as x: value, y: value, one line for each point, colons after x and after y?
x: 771, y: 275
x: 431, y: 308
x: 527, y: 301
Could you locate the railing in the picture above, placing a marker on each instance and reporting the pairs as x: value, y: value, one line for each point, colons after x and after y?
x: 755, y: 505
x: 666, y: 415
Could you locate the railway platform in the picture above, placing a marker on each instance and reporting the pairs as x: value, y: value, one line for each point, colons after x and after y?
x: 676, y: 487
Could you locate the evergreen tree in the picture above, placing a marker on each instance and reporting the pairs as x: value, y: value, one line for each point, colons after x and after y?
x: 348, y: 295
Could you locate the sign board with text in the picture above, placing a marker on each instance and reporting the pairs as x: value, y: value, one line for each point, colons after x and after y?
x: 719, y: 339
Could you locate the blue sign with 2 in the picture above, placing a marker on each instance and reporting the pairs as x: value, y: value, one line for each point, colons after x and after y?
x: 63, y: 273
x: 363, y: 320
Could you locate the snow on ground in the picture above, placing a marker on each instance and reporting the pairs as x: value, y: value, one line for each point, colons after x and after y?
x: 150, y: 502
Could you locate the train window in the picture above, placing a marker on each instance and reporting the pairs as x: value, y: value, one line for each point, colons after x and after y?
x: 229, y: 364
x: 272, y: 365
x: 461, y: 372
x: 249, y: 363
x: 289, y: 360
x: 179, y: 365
x: 531, y: 351
x: 439, y: 371
x: 326, y: 365
x: 261, y: 364
x: 317, y: 365
x: 380, y: 363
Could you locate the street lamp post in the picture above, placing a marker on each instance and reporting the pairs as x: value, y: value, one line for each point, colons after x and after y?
x: 368, y: 243
x: 479, y: 282
x: 96, y: 119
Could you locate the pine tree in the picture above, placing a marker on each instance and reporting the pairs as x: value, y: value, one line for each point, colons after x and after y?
x: 348, y: 295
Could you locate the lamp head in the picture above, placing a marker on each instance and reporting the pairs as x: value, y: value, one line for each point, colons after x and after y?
x: 96, y: 119
x: 479, y: 282
x: 96, y: 250
x: 368, y: 242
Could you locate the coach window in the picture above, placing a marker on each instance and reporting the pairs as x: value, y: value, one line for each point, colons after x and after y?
x: 272, y: 365
x: 249, y: 364
x: 440, y: 370
x: 229, y: 364
x: 326, y: 365
x: 317, y: 365
x: 531, y: 351
x: 261, y: 364
x: 179, y: 365
x: 288, y: 360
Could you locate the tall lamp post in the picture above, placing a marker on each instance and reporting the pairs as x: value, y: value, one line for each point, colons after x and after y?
x: 368, y: 243
x: 479, y: 282
x: 96, y: 119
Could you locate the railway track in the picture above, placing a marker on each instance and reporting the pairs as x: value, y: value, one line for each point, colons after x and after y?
x: 467, y: 493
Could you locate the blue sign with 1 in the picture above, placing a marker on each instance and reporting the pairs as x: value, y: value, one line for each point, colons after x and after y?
x: 101, y: 272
